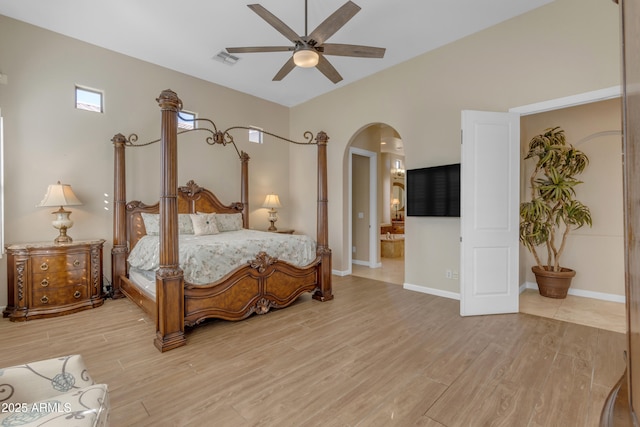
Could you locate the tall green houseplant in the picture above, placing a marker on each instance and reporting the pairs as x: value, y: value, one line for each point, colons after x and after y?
x: 553, y: 212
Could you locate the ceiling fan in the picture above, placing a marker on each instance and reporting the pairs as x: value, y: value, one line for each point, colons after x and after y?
x: 309, y: 50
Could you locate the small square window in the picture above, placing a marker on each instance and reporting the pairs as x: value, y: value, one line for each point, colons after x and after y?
x: 255, y: 135
x: 89, y: 99
x: 186, y: 120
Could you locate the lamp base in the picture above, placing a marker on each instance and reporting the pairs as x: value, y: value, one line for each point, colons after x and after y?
x: 62, y: 223
x: 273, y: 217
x: 63, y: 238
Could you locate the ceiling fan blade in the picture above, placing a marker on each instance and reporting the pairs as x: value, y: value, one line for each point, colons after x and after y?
x: 333, y: 23
x: 286, y: 69
x: 259, y: 49
x: 275, y: 22
x: 327, y: 69
x: 352, y: 50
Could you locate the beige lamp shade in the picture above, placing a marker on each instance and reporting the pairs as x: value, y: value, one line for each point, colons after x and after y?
x: 60, y: 195
x: 271, y: 201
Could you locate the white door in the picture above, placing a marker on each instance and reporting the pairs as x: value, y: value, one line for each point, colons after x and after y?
x: 489, y: 215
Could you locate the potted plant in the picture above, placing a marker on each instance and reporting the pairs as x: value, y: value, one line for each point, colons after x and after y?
x: 553, y: 212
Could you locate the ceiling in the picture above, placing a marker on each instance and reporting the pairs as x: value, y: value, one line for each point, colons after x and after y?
x: 186, y: 36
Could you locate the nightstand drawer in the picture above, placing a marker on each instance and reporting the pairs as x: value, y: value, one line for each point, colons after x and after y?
x: 58, y: 262
x: 60, y: 279
x: 58, y: 296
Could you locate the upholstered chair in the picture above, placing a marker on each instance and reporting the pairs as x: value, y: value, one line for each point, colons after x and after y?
x: 54, y: 392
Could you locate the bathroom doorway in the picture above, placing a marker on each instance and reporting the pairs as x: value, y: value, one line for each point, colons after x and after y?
x: 377, y: 203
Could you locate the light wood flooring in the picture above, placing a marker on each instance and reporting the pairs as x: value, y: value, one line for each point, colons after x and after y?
x: 376, y: 355
x: 584, y: 311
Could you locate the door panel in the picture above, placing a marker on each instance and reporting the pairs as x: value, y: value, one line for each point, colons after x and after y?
x: 490, y: 176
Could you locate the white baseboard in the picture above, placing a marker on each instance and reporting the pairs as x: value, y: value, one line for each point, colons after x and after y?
x: 341, y: 273
x: 366, y: 263
x: 581, y: 293
x: 527, y: 285
x: 432, y: 291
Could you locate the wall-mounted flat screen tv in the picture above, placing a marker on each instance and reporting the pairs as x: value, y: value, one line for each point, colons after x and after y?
x: 434, y: 191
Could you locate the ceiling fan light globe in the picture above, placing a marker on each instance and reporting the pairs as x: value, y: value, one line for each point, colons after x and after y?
x: 306, y: 58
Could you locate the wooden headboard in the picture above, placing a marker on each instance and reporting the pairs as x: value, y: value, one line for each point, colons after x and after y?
x: 191, y: 199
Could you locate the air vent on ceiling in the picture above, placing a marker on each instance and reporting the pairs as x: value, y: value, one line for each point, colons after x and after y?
x: 226, y: 58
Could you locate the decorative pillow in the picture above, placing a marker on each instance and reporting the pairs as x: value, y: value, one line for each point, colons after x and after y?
x: 185, y: 225
x: 229, y: 222
x: 152, y: 223
x: 204, y: 224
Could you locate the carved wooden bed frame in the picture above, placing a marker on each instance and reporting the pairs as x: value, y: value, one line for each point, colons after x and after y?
x: 261, y: 284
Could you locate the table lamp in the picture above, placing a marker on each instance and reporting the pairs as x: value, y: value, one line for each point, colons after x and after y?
x: 272, y: 202
x: 60, y: 195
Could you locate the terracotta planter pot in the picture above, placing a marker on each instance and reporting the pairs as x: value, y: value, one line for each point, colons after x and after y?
x: 553, y: 284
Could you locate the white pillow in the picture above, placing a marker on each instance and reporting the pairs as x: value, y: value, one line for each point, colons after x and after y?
x: 229, y: 222
x: 185, y: 225
x: 152, y: 223
x: 204, y: 224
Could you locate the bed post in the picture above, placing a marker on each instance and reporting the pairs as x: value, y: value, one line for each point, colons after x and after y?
x: 119, y: 250
x: 244, y: 188
x: 323, y: 291
x: 169, y: 277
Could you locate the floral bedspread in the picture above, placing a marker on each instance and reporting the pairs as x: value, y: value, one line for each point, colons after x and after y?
x: 206, y: 259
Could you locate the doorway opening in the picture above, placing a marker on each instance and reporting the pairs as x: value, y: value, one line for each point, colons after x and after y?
x: 596, y: 253
x: 376, y: 203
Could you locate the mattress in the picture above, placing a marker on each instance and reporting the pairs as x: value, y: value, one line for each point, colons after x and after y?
x: 206, y: 259
x: 144, y: 280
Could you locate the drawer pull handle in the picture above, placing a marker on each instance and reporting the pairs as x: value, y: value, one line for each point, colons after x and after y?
x: 44, y: 299
x: 76, y: 263
x: 44, y: 266
x: 44, y: 283
x: 77, y: 294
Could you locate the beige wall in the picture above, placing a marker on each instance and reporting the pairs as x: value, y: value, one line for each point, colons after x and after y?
x: 545, y: 54
x: 596, y: 253
x: 47, y: 139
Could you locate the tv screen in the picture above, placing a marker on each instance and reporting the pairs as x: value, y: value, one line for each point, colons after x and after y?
x: 434, y: 191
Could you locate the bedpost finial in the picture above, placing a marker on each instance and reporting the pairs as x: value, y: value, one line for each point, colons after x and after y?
x: 119, y: 139
x: 244, y: 157
x: 322, y: 138
x: 168, y: 100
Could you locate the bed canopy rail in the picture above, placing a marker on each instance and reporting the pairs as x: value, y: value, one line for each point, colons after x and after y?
x: 170, y: 286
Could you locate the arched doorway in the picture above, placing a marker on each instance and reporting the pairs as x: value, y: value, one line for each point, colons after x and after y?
x: 375, y: 157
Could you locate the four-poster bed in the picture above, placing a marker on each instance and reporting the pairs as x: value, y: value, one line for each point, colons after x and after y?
x: 260, y: 283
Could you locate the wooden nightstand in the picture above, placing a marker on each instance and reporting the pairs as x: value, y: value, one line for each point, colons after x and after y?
x: 48, y: 279
x: 283, y: 231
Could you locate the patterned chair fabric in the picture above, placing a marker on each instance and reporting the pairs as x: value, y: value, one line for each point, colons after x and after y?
x: 54, y: 392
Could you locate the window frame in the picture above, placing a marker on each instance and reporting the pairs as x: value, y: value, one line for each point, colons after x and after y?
x: 184, y: 124
x: 100, y: 93
x: 256, y: 130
